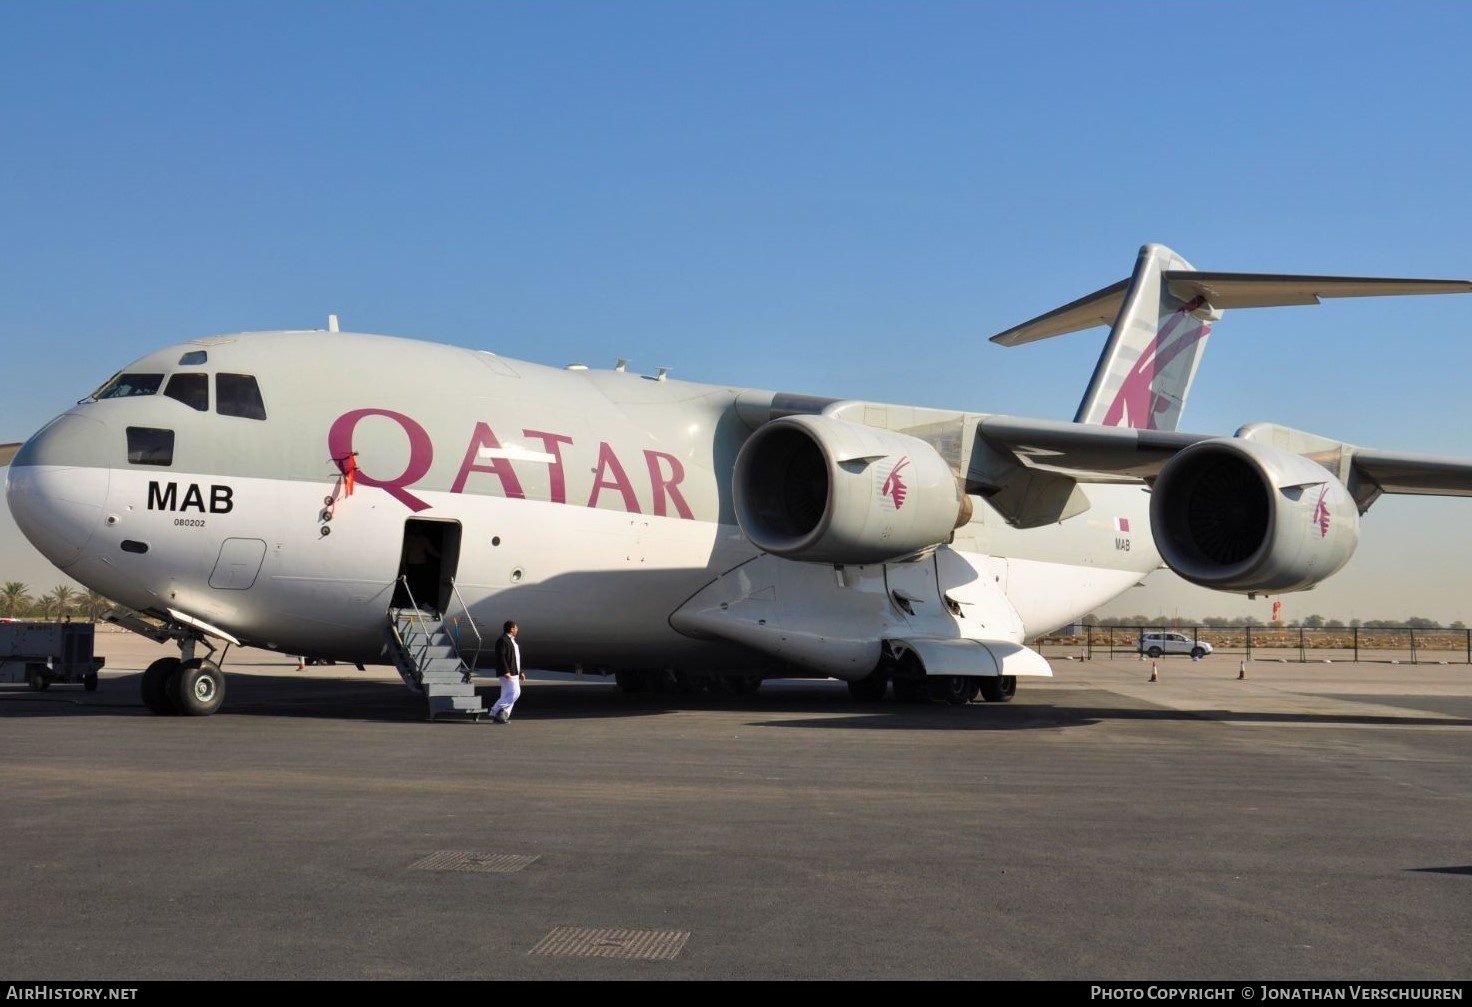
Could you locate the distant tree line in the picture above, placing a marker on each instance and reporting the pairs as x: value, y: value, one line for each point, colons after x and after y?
x: 18, y: 601
x: 1237, y: 622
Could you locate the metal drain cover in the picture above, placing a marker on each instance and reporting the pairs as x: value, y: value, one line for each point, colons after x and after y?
x: 495, y: 863
x: 612, y: 942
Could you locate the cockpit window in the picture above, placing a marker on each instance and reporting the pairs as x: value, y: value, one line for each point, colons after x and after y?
x: 150, y: 446
x: 239, y: 395
x: 191, y: 389
x: 124, y: 385
x: 193, y: 357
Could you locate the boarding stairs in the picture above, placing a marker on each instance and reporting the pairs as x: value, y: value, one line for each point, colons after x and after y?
x: 428, y: 659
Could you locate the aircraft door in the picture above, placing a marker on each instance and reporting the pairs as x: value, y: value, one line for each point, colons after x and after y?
x: 428, y: 561
x: 238, y: 564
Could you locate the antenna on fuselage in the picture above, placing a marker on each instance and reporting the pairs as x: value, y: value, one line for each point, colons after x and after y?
x: 622, y: 363
x: 331, y: 323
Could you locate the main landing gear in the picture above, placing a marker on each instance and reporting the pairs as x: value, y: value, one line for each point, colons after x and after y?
x: 185, y: 685
x: 912, y: 685
x: 638, y: 681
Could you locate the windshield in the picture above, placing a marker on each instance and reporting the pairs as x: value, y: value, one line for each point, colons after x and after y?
x: 124, y: 385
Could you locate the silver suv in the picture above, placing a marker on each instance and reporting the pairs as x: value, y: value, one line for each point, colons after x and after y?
x: 1156, y: 644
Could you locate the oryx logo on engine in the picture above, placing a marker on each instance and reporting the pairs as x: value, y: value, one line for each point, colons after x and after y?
x: 894, y: 487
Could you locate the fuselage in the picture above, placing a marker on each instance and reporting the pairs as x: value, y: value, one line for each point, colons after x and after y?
x: 263, y: 483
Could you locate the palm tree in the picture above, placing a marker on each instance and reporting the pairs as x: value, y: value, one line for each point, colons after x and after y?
x: 59, y: 600
x: 14, y: 597
x: 92, y: 605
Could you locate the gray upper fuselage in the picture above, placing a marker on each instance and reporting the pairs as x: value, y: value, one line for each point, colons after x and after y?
x: 419, y: 426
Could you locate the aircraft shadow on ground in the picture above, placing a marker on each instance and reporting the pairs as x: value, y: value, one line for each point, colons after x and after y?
x: 827, y: 704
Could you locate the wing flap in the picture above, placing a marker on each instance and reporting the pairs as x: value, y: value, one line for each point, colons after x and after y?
x: 1087, y: 452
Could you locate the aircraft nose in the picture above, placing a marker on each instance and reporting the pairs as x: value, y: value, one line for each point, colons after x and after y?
x: 57, y: 486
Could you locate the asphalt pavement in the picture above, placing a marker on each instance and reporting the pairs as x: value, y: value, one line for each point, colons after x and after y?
x: 1225, y: 821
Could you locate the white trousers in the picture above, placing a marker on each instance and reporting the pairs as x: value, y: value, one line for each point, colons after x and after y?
x: 510, y: 693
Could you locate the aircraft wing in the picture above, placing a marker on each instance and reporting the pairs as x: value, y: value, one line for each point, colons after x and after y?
x: 7, y: 452
x: 1030, y: 469
x: 1425, y: 475
x: 1084, y: 451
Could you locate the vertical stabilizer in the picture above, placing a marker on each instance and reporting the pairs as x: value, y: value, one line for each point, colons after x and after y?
x: 1150, y: 359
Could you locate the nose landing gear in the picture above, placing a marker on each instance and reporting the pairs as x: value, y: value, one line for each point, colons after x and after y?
x: 193, y: 688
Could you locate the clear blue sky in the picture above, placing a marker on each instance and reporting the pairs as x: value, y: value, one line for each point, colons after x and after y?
x: 838, y: 198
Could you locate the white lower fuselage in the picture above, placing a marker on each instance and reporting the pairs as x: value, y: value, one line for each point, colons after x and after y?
x: 594, y: 589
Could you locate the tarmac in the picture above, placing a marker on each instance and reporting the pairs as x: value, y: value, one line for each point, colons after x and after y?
x: 1228, y: 821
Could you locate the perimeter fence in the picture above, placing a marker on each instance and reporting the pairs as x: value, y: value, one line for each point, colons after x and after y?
x: 1267, y: 643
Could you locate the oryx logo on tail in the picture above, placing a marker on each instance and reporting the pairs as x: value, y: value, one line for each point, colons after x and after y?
x: 1138, y: 400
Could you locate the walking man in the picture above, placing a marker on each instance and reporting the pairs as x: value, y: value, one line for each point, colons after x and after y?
x: 508, y: 669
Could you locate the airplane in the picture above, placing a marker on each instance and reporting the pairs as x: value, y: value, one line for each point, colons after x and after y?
x: 260, y: 488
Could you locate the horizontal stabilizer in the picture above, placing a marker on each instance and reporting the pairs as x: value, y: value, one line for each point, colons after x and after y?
x: 1099, y: 308
x: 1221, y: 291
x: 1268, y: 290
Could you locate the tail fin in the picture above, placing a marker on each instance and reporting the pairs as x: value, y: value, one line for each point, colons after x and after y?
x: 1155, y: 344
x: 1157, y: 340
x: 1160, y: 319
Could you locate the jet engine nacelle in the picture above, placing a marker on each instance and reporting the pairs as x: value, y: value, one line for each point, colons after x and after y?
x: 1237, y: 515
x: 823, y: 490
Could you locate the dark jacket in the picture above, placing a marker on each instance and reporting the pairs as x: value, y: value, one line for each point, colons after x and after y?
x: 507, y: 661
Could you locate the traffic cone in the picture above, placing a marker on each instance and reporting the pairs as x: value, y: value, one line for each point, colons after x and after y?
x: 1154, y: 672
x: 1242, y: 671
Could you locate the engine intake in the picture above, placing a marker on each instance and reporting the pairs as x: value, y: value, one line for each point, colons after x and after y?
x: 1237, y: 515
x: 823, y: 490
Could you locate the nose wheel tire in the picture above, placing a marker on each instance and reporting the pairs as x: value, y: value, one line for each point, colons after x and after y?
x: 197, y: 688
x: 155, y: 685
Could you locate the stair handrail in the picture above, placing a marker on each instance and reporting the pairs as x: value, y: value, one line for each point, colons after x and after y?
x: 404, y: 661
x: 417, y: 621
x: 479, y: 640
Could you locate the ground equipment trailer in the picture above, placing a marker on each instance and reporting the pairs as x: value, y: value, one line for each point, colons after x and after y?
x: 40, y: 653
